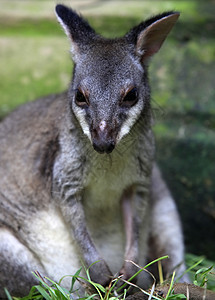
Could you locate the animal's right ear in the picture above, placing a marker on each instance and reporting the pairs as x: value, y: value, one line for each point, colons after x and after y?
x: 75, y: 27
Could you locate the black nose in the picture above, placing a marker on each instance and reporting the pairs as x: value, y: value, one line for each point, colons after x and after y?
x: 103, y: 147
x: 103, y: 137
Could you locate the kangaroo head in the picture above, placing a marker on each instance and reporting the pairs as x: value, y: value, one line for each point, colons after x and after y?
x: 109, y: 91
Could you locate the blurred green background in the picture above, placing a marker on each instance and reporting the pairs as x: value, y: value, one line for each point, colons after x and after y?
x: 35, y: 61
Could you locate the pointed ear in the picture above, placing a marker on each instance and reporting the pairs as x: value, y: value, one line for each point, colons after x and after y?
x: 150, y: 35
x: 75, y: 27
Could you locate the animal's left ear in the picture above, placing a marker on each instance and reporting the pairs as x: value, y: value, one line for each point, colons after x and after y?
x: 150, y: 35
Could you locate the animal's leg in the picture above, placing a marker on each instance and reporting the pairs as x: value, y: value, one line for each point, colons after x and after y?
x: 74, y: 214
x: 166, y: 230
x: 16, y: 266
x: 130, y: 226
x: 134, y: 210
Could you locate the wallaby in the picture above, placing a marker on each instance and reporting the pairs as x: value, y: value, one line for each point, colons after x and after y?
x: 78, y: 182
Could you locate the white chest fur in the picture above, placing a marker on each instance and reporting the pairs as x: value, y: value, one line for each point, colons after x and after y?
x: 51, y: 240
x: 108, y: 177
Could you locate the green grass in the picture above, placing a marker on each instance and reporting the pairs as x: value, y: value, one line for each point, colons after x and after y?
x: 28, y: 27
x: 198, y: 265
x: 24, y: 74
x: 200, y: 270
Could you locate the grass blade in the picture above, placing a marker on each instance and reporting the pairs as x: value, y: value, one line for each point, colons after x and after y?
x: 156, y: 260
x: 8, y: 294
x: 170, y: 287
x: 43, y: 292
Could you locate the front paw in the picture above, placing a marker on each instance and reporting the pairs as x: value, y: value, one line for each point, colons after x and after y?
x: 100, y: 273
x: 127, y: 271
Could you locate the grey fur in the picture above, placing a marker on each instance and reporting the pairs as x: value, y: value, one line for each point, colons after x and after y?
x: 78, y: 180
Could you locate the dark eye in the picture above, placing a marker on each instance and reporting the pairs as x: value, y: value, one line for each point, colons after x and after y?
x: 130, y: 98
x: 80, y: 99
